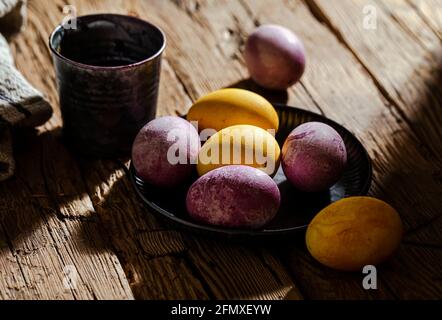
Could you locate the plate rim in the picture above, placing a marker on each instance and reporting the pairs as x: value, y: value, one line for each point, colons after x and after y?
x: 196, y: 227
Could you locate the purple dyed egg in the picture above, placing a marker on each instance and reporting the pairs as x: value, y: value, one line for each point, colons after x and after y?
x: 165, y: 151
x: 235, y: 197
x: 275, y: 57
x: 314, y: 157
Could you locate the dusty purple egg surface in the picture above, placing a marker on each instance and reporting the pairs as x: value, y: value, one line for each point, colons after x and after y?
x: 234, y: 196
x: 164, y: 152
x: 314, y: 157
x: 275, y: 57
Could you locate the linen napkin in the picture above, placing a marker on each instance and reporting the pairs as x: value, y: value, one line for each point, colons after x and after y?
x: 21, y: 105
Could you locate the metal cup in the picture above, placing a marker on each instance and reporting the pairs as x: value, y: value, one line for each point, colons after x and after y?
x: 108, y: 72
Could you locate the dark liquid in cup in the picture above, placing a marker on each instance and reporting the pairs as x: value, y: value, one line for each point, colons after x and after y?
x: 107, y: 45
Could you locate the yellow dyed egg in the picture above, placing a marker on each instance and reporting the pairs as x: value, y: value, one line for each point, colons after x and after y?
x: 228, y: 107
x: 354, y: 232
x: 240, y: 145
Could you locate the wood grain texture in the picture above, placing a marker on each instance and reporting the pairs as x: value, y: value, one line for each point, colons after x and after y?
x: 178, y: 264
x: 47, y: 216
x: 221, y: 20
x: 218, y: 263
x: 12, y: 280
x: 51, y: 248
x: 151, y: 255
x: 61, y: 210
x: 402, y: 164
x: 403, y: 55
x: 431, y: 12
x: 64, y: 179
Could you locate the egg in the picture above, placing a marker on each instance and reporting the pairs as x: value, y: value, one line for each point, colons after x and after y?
x: 165, y: 151
x: 314, y: 157
x: 235, y: 197
x: 275, y: 57
x: 241, y: 144
x: 227, y: 107
x: 354, y: 232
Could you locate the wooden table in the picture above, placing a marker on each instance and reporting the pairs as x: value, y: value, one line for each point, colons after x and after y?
x: 374, y: 66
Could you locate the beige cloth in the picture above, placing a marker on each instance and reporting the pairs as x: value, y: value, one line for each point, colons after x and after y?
x: 21, y: 105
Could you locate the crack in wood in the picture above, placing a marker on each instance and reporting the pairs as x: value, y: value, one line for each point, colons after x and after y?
x: 403, y: 26
x: 189, y: 92
x: 321, y: 111
x: 424, y: 18
x: 11, y: 249
x: 50, y: 231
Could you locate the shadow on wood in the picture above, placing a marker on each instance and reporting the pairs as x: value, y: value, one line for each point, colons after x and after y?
x: 46, y: 206
x: 419, y: 210
x: 24, y: 204
x: 162, y: 262
x: 271, y: 95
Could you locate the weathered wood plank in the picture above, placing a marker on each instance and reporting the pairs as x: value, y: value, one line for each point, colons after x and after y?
x: 408, y: 70
x: 431, y: 12
x: 63, y: 179
x: 12, y: 281
x: 84, y: 213
x: 46, y: 204
x: 229, y: 25
x: 144, y: 228
x: 423, y: 166
x: 413, y: 25
x: 406, y: 15
x: 219, y: 24
x: 407, y: 73
x: 50, y: 247
x: 342, y: 88
x: 222, y: 266
x: 151, y: 256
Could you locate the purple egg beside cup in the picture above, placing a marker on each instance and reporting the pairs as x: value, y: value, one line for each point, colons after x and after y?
x: 108, y: 71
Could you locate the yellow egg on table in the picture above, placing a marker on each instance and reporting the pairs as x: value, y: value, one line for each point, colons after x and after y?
x: 240, y: 145
x: 354, y: 232
x: 227, y: 107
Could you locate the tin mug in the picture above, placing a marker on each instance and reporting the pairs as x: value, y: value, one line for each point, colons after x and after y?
x: 108, y: 72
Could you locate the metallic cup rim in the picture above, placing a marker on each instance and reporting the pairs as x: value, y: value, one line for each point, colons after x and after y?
x: 103, y: 16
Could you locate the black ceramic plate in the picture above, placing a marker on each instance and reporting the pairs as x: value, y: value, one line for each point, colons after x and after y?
x: 297, y: 208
